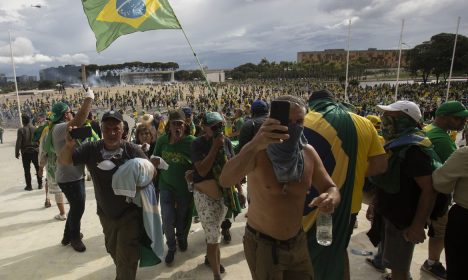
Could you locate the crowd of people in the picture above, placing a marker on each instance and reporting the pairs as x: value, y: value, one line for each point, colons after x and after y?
x: 192, y: 149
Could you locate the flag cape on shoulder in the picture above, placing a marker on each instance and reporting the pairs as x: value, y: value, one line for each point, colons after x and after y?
x: 109, y: 19
x: 329, y: 128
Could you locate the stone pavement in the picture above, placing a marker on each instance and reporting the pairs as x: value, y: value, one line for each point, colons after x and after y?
x: 30, y: 239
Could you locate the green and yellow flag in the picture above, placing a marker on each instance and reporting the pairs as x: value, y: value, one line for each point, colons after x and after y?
x: 109, y: 19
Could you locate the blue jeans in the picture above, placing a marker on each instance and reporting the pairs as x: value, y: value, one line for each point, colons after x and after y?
x: 76, y: 196
x: 174, y: 218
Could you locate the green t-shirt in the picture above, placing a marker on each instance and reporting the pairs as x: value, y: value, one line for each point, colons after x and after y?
x: 238, y: 123
x: 177, y: 155
x: 444, y: 146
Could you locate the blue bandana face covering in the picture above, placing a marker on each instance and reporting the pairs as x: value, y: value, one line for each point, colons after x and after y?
x: 287, y: 158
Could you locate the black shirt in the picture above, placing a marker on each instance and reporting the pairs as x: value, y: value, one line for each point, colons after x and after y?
x: 400, y: 208
x: 200, y: 149
x: 108, y: 204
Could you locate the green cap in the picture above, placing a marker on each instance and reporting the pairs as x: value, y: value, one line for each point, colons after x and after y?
x: 212, y: 118
x: 57, y: 111
x: 452, y: 108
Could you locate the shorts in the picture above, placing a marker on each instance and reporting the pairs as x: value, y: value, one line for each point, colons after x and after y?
x: 437, y: 227
x: 52, y: 185
x: 397, y: 253
x: 211, y: 213
x: 277, y: 260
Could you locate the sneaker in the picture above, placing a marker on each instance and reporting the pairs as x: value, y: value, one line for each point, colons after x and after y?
x: 221, y: 267
x: 183, y: 244
x: 78, y: 245
x: 377, y: 267
x: 60, y: 217
x: 437, y: 270
x: 226, y: 235
x: 170, y: 256
x: 47, y: 203
x: 28, y: 188
x: 196, y: 220
x: 66, y: 240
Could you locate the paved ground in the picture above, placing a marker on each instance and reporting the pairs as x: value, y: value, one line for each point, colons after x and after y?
x: 30, y: 239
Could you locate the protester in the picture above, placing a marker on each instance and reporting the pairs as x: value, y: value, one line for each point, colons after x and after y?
x: 29, y: 151
x: 121, y: 221
x: 349, y: 146
x: 450, y: 116
x: 175, y: 199
x: 251, y: 126
x: 280, y: 168
x: 1, y: 133
x: 209, y: 152
x: 70, y: 178
x: 453, y: 177
x: 404, y: 192
x: 145, y: 139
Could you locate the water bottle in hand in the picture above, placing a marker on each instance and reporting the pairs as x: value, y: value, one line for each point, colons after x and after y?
x: 324, y: 225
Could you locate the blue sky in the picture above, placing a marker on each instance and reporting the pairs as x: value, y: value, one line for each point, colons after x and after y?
x: 224, y: 33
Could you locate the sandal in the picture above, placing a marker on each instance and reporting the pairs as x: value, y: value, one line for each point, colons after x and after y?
x: 47, y: 203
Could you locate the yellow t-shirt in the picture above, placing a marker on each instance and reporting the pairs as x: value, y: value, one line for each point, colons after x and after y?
x: 369, y: 145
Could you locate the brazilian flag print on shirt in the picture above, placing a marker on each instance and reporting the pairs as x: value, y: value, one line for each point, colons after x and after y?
x: 109, y: 19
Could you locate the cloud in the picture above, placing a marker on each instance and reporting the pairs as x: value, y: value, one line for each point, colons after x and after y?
x: 25, y: 53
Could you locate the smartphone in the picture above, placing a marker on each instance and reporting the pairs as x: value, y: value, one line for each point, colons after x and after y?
x: 280, y: 111
x: 81, y: 132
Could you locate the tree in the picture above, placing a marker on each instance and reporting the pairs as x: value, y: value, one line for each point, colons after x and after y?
x: 435, y: 56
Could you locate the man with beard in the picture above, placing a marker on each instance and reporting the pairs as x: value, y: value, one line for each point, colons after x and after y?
x: 280, y: 167
x: 405, y: 196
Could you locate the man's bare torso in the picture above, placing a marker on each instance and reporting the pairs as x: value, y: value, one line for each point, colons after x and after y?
x: 271, y: 211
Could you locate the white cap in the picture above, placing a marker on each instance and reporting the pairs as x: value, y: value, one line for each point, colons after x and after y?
x: 405, y: 106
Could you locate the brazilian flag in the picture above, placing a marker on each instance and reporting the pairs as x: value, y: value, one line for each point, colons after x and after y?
x: 329, y: 128
x: 109, y: 19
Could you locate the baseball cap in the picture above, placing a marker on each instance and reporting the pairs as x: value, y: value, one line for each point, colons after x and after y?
x: 112, y: 114
x: 259, y: 106
x: 212, y: 118
x: 409, y: 108
x: 176, y: 115
x: 375, y: 120
x: 452, y: 108
x: 57, y: 111
x: 187, y: 111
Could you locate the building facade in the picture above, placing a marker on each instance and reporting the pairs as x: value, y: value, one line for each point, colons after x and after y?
x: 374, y: 58
x: 69, y: 74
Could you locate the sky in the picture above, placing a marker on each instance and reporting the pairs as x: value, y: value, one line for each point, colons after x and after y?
x: 223, y: 33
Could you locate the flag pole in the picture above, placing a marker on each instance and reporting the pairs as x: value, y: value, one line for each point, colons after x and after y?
x: 399, y: 60
x: 347, y: 63
x: 14, y: 77
x: 453, y: 58
x: 195, y: 55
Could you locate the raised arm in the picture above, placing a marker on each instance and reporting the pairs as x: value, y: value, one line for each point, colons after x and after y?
x: 204, y: 166
x: 82, y: 114
x: 244, y: 162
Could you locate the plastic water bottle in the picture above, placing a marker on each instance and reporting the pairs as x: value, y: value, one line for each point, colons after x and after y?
x: 324, y: 225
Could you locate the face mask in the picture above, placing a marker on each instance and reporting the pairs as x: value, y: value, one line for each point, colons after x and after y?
x: 106, y: 165
x: 394, y: 127
x: 295, y: 135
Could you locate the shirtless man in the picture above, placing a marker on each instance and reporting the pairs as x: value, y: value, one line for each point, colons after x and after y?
x: 275, y: 213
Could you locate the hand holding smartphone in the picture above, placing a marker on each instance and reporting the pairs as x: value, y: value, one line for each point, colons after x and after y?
x: 81, y: 132
x: 280, y: 111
